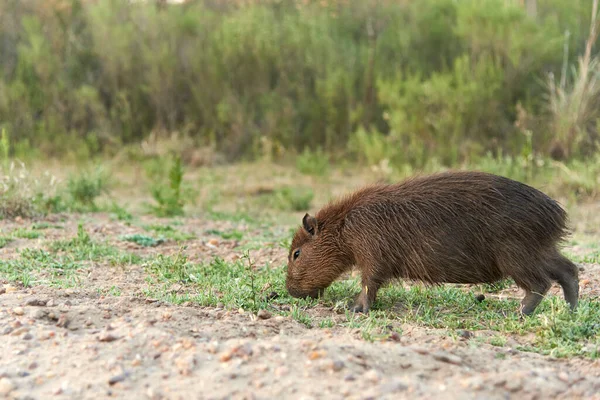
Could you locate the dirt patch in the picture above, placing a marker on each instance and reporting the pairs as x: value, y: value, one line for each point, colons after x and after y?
x: 73, y: 344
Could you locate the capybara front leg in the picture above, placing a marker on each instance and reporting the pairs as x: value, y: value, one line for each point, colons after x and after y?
x: 365, y: 299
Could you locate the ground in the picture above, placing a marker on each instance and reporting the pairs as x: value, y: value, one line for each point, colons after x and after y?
x: 95, y: 306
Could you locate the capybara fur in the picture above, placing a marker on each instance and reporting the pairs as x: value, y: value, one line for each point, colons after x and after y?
x: 451, y: 227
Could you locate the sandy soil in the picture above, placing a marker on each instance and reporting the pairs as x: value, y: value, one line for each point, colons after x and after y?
x: 79, y: 344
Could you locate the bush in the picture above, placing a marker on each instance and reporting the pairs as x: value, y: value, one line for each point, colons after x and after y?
x: 430, y: 78
x: 168, y: 189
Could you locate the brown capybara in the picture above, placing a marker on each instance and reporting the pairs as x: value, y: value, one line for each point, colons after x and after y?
x: 451, y: 227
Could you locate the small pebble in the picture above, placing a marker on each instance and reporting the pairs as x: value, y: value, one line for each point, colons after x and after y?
x: 36, y: 302
x: 563, y: 376
x: 18, y: 311
x: 27, y: 336
x: 19, y: 331
x: 117, y: 378
x: 465, y: 334
x: 446, y: 357
x: 272, y: 295
x: 514, y: 385
x: 107, y: 337
x: 313, y: 355
x: 153, y: 394
x: 39, y: 313
x: 63, y: 321
x: 393, y: 387
x: 372, y: 375
x: 185, y: 365
x: 263, y: 314
x: 6, y: 386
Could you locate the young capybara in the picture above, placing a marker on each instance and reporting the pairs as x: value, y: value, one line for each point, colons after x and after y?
x: 451, y: 227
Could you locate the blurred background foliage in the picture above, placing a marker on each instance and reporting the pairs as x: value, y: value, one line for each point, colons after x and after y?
x: 400, y: 81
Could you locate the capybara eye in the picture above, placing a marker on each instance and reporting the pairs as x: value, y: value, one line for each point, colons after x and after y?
x: 296, y: 254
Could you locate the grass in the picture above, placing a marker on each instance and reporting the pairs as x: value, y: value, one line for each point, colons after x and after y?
x: 242, y: 284
x: 247, y: 284
x: 168, y: 232
x: 35, y: 267
x: 83, y: 248
x: 26, y: 234
x: 84, y: 188
x: 142, y: 240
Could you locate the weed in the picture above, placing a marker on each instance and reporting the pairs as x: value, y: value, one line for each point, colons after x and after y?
x: 168, y: 232
x: 233, y: 234
x: 4, y: 148
x: 45, y: 225
x: 4, y: 241
x: 170, y: 196
x: 142, y: 240
x: 82, y: 248
x: 300, y: 315
x: 121, y: 213
x: 313, y: 163
x: 326, y: 323
x: 171, y: 268
x: 25, y: 234
x: 35, y: 266
x: 297, y: 199
x: 84, y: 188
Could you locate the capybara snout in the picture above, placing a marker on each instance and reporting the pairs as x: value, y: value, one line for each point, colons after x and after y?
x: 451, y: 227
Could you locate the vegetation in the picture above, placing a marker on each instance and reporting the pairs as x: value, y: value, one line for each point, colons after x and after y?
x: 409, y: 81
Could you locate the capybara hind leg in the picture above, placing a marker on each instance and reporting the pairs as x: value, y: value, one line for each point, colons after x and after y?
x: 567, y: 275
x: 365, y: 299
x: 533, y: 298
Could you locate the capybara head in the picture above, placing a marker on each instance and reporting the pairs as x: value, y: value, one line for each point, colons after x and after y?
x: 314, y: 260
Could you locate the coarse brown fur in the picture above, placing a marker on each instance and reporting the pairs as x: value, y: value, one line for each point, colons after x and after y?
x: 452, y: 227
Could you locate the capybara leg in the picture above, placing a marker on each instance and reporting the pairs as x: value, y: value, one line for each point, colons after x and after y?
x: 365, y: 299
x: 533, y: 297
x: 567, y: 275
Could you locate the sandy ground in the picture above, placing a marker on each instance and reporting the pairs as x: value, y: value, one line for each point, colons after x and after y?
x: 79, y: 344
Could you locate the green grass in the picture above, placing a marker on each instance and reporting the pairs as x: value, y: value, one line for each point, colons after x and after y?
x: 26, y: 234
x: 293, y: 199
x: 61, y: 262
x: 556, y: 330
x: 168, y: 232
x: 19, y: 233
x: 83, y: 248
x: 227, y: 235
x: 4, y: 241
x: 45, y: 225
x: 142, y: 240
x: 35, y: 267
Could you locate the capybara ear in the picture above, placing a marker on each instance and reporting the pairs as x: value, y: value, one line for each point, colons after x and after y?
x: 310, y: 224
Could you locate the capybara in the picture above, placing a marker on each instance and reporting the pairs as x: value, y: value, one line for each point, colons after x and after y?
x: 451, y: 227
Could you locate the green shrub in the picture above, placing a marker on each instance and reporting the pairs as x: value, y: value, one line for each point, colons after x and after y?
x: 435, y: 78
x: 313, y: 162
x: 84, y: 188
x: 293, y: 199
x: 168, y: 191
